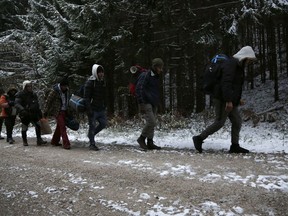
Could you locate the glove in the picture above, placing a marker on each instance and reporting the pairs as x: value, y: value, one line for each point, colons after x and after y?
x: 11, y: 103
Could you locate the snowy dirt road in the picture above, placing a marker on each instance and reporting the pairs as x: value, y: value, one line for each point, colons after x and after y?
x: 122, y: 180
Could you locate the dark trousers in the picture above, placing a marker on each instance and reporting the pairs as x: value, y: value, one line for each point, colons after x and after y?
x: 94, y: 129
x: 9, y: 124
x: 1, y: 124
x: 60, y: 131
x: 35, y: 122
x: 221, y: 116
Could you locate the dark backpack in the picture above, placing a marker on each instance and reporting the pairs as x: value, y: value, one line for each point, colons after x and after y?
x: 135, y: 73
x: 212, y: 74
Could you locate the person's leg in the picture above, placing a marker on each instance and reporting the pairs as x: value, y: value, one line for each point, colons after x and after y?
x: 220, y: 119
x: 150, y: 142
x: 236, y: 121
x: 148, y: 130
x: 9, y: 123
x: 25, y: 122
x: 102, y: 120
x: 1, y: 125
x: 92, y: 127
x: 63, y: 131
x: 37, y: 126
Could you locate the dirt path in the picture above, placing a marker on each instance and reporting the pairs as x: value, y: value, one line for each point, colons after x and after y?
x: 122, y: 180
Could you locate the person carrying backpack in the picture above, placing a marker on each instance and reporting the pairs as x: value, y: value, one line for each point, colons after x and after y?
x: 95, y: 101
x: 7, y: 103
x: 148, y: 98
x: 227, y: 98
x: 56, y: 105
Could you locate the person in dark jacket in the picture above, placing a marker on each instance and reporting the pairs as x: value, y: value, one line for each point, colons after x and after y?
x: 227, y: 98
x: 7, y: 102
x: 148, y: 98
x: 56, y: 105
x: 95, y: 99
x: 29, y: 111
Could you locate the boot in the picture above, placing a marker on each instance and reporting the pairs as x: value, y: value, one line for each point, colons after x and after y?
x: 93, y: 147
x: 235, y: 148
x: 151, y: 145
x: 141, y: 141
x: 24, y: 138
x: 198, y: 141
x: 40, y: 141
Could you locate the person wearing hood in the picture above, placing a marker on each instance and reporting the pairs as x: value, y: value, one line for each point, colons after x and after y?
x: 27, y: 106
x: 227, y: 98
x: 148, y: 98
x: 56, y: 105
x: 95, y: 100
x: 7, y: 103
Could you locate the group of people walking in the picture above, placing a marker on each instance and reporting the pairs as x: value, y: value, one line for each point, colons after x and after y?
x: 227, y: 98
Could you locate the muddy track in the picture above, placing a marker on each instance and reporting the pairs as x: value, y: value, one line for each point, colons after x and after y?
x: 123, y: 180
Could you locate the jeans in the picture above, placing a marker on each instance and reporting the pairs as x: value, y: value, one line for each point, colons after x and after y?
x: 221, y: 116
x: 94, y: 129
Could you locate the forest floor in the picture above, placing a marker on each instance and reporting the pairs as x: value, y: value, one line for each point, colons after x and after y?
x: 124, y: 180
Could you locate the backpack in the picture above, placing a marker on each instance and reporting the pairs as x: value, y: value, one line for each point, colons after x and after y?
x: 76, y: 101
x: 212, y: 73
x: 135, y: 73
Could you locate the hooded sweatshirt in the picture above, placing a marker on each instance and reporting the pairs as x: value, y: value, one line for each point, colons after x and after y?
x: 230, y: 89
x: 95, y: 91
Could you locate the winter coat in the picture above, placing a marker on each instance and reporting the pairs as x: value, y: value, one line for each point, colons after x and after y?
x: 53, y: 102
x: 232, y: 79
x: 230, y: 87
x: 10, y: 110
x: 95, y: 91
x: 27, y: 105
x: 147, y: 88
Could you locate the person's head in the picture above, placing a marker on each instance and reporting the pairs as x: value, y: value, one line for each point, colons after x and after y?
x: 12, y: 90
x: 27, y: 85
x: 157, y: 65
x: 98, y: 72
x: 64, y: 84
x: 245, y: 55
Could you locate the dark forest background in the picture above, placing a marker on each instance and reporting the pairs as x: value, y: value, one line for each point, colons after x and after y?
x: 44, y: 40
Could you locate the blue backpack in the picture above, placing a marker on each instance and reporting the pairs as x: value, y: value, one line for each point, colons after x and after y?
x: 212, y: 73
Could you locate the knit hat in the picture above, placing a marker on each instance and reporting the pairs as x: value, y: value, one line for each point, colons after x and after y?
x: 245, y: 53
x: 26, y: 82
x: 157, y: 62
x: 64, y: 82
x: 11, y: 88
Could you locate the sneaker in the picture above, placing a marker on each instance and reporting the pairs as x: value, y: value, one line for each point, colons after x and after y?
x: 41, y: 142
x: 141, y: 142
x: 25, y: 143
x: 151, y: 145
x: 235, y: 148
x: 1, y: 138
x: 93, y: 147
x: 198, y: 141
